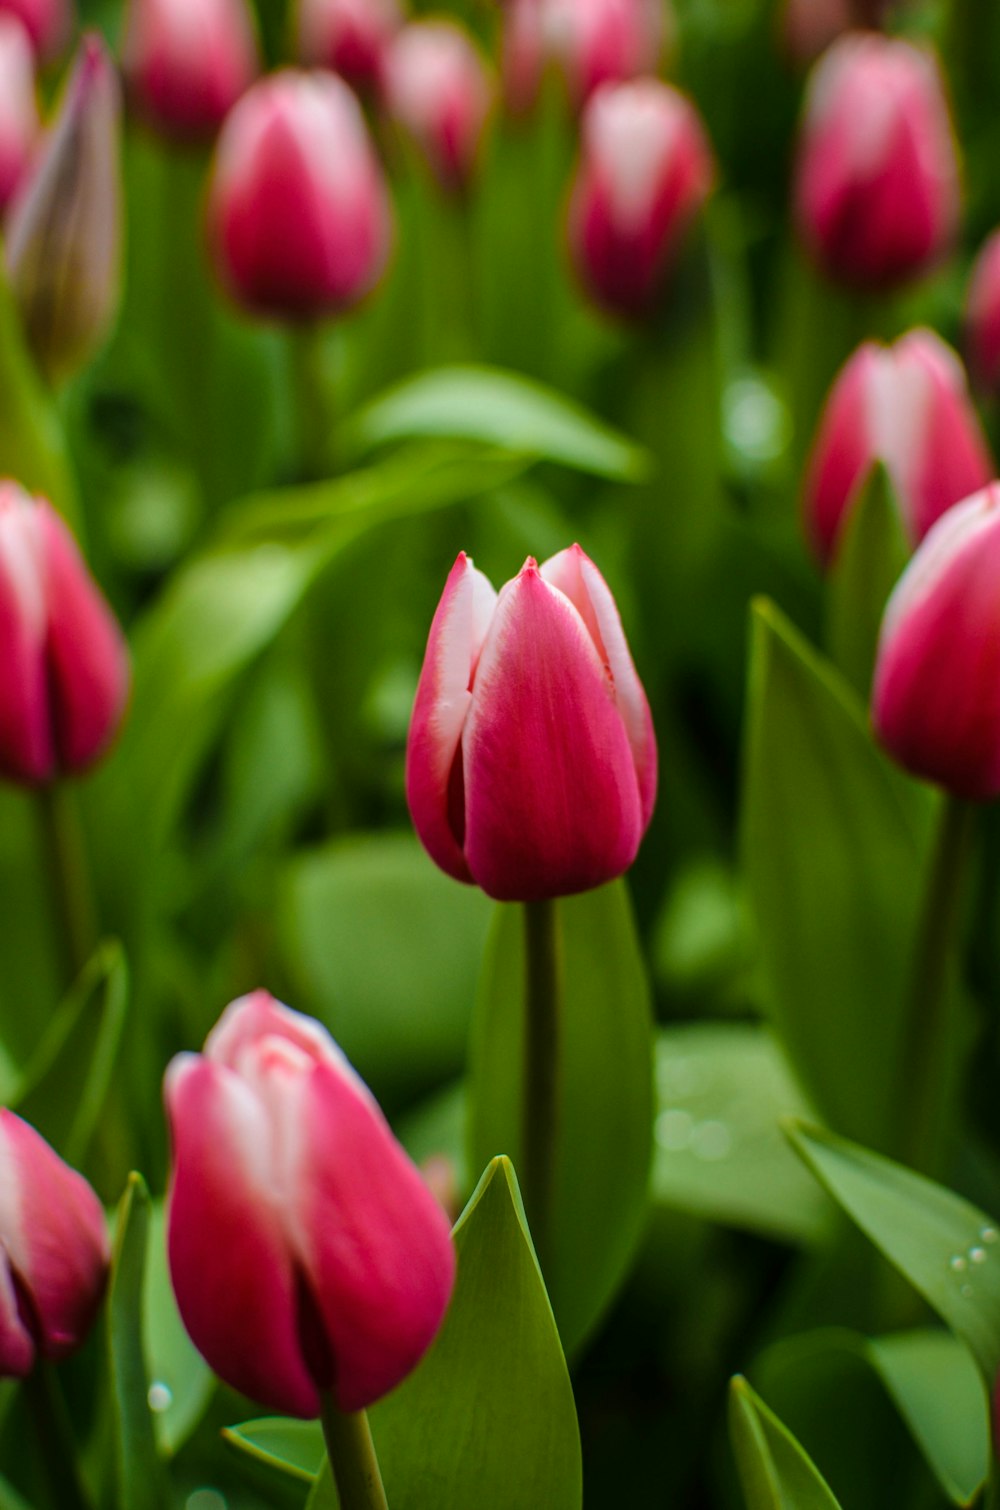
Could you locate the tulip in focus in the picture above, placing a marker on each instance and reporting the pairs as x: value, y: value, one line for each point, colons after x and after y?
x: 306, y: 1252
x: 298, y: 215
x: 54, y: 1251
x: 64, y: 674
x: 876, y: 179
x: 47, y: 22
x: 531, y: 763
x: 982, y: 316
x: 439, y: 89
x: 18, y: 105
x: 187, y: 62
x: 645, y: 170
x: 348, y: 36
x: 936, y: 695
x: 63, y: 230
x: 588, y: 42
x: 907, y: 406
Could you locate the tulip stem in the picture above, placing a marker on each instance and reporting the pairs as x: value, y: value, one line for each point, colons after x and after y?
x: 312, y: 400
x: 351, y: 1452
x: 541, y: 1070
x: 68, y: 876
x: 57, y: 1448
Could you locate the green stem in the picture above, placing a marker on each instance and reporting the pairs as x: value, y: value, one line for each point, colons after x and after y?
x: 57, y: 1448
x: 312, y: 400
x: 541, y: 1070
x: 351, y: 1452
x: 68, y: 876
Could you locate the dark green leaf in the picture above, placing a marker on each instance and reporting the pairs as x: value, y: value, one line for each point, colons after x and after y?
x: 870, y: 558
x: 323, y: 1495
x: 775, y: 1472
x: 32, y: 446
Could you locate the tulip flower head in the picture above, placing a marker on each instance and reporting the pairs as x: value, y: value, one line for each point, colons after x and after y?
x: 54, y: 1251
x: 439, y: 89
x: 645, y: 170
x: 187, y: 62
x: 18, y: 105
x: 809, y: 26
x: 348, y: 36
x: 876, y: 179
x: 47, y: 22
x: 531, y: 763
x: 588, y: 42
x: 936, y: 693
x: 306, y: 1252
x: 982, y: 316
x: 908, y: 406
x: 298, y: 214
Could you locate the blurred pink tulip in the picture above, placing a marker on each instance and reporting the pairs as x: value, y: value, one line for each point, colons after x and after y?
x: 907, y: 406
x: 54, y: 1252
x: 47, y: 22
x: 982, y: 316
x: 349, y: 36
x: 936, y: 697
x: 531, y: 764
x: 645, y: 170
x: 439, y: 88
x: 18, y: 105
x: 809, y: 26
x: 306, y: 1252
x: 64, y: 673
x: 299, y: 218
x: 589, y: 42
x: 876, y: 179
x: 187, y: 62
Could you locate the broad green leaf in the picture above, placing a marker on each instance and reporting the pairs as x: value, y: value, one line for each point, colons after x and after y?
x: 294, y: 1448
x: 604, y: 1120
x: 498, y: 408
x: 947, y: 1248
x: 10, y: 1499
x: 32, y: 446
x: 870, y: 558
x: 141, y: 1484
x: 834, y: 840
x: 323, y: 1495
x: 181, y: 1382
x: 775, y: 1472
x: 937, y: 1389
x: 722, y: 1089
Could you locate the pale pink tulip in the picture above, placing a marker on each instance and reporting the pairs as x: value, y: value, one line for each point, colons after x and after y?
x: 439, y: 88
x: 349, y: 36
x: 47, y: 22
x: 588, y: 42
x: 18, y: 105
x: 187, y: 62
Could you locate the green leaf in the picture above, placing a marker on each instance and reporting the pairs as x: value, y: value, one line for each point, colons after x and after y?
x: 937, y: 1389
x: 775, y: 1472
x: 293, y: 1448
x: 498, y: 408
x: 181, y: 1382
x: 871, y: 556
x: 141, y: 1484
x: 32, y: 446
x: 605, y: 1077
x: 323, y: 1495
x: 10, y: 1499
x: 834, y: 841
x: 947, y: 1248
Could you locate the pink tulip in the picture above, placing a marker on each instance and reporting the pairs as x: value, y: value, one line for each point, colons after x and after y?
x: 531, y: 765
x: 876, y: 180
x: 53, y: 1251
x: 306, y: 1253
x: 187, y: 62
x: 907, y: 406
x: 589, y: 42
x: 982, y: 316
x: 936, y: 697
x: 299, y: 216
x: 645, y: 170
x: 439, y: 89
x: 18, y: 105
x: 809, y: 26
x: 349, y: 36
x: 47, y: 22
x: 64, y: 674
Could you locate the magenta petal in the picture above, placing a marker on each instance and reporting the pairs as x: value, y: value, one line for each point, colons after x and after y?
x: 257, y: 1016
x: 26, y: 745
x: 233, y: 1274
x: 17, y: 1349
x: 842, y: 452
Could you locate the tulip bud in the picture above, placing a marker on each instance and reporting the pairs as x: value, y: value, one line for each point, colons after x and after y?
x: 187, y: 62
x: 63, y: 228
x: 349, y: 36
x: 306, y: 1253
x: 438, y: 87
x: 876, y: 179
x: 589, y: 42
x: 64, y: 670
x: 298, y: 214
x: 18, y: 106
x: 645, y: 170
x: 47, y: 22
x: 982, y: 316
x: 54, y: 1246
x: 936, y: 696
x: 809, y: 26
x: 531, y: 763
x: 907, y: 406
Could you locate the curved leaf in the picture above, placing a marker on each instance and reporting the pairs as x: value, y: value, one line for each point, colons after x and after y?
x: 775, y: 1472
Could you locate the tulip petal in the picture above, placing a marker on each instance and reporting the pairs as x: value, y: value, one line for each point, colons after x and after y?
x: 843, y: 451
x: 17, y: 1349
x: 251, y: 1018
x: 26, y: 746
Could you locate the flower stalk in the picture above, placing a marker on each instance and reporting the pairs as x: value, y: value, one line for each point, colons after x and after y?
x: 539, y: 1130
x: 353, y: 1462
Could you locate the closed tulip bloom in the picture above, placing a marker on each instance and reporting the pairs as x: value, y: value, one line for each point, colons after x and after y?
x: 982, y: 316
x: 907, y: 406
x: 936, y: 696
x: 18, y: 105
x: 876, y: 179
x: 53, y: 1251
x: 645, y: 170
x: 349, y: 36
x: 531, y: 763
x: 63, y: 232
x: 299, y: 216
x: 306, y: 1252
x: 809, y: 26
x: 64, y: 674
x: 440, y: 90
x: 47, y: 22
x: 588, y: 42
x: 187, y: 62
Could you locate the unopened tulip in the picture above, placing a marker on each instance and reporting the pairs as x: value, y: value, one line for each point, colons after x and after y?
x: 306, y: 1253
x: 982, y: 316
x: 531, y: 763
x: 18, y: 105
x: 438, y: 87
x: 876, y: 179
x: 588, y: 42
x: 299, y: 217
x: 809, y: 26
x: 64, y: 674
x: 187, y: 62
x: 907, y: 406
x: 645, y: 170
x: 47, y: 22
x: 936, y: 697
x: 63, y: 232
x: 53, y: 1251
x: 349, y: 36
